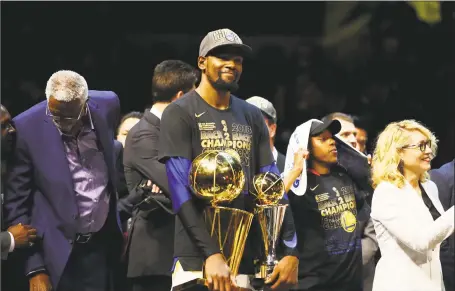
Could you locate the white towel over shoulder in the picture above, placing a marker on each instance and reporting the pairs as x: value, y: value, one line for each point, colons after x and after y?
x: 299, y: 139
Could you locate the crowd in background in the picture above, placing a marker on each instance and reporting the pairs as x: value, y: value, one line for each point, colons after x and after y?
x: 402, y: 66
x: 401, y: 69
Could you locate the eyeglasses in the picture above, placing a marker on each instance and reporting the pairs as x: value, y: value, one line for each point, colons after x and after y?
x: 59, y: 118
x: 422, y: 146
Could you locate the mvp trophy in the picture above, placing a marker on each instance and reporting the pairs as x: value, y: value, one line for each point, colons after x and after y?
x: 269, y: 190
x: 217, y: 176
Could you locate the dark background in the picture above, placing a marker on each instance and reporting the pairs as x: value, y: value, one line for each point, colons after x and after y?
x: 397, y: 66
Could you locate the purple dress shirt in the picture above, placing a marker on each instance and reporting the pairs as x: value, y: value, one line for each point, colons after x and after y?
x: 90, y: 177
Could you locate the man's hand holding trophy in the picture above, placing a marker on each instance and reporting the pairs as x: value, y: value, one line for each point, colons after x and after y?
x: 217, y: 177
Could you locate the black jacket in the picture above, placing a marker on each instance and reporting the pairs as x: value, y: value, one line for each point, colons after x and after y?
x: 151, y: 241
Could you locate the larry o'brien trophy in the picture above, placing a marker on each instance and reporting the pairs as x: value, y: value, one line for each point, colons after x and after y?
x: 269, y: 190
x: 217, y: 176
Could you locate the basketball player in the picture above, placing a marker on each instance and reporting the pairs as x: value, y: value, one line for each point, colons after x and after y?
x: 324, y: 201
x: 211, y: 118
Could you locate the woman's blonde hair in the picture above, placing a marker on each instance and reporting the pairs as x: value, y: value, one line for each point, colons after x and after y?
x: 386, y: 162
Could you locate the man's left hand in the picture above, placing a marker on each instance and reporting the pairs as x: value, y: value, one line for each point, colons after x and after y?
x: 284, y: 274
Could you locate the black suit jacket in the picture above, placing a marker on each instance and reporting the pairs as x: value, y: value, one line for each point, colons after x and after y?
x: 150, y: 249
x: 5, y: 242
x: 121, y: 183
x: 444, y: 180
x: 280, y: 161
x: 127, y: 199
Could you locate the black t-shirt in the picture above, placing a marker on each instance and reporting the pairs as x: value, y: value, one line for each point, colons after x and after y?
x: 190, y: 126
x: 328, y: 233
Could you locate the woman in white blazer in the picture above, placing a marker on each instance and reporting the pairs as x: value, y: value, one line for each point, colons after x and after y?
x: 408, y: 217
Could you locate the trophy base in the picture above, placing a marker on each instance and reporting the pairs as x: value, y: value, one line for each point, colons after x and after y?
x: 258, y: 284
x: 199, y: 285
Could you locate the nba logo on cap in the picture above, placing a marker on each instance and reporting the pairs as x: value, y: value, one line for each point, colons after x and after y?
x: 229, y: 35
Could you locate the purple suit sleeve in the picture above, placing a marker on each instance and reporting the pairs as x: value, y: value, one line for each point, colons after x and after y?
x: 18, y: 198
x: 177, y: 169
x: 288, y: 233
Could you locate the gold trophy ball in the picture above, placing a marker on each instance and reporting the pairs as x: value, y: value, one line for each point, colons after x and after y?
x: 217, y: 176
x: 268, y: 188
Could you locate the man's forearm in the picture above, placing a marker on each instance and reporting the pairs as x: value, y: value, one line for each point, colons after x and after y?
x: 177, y: 171
x: 34, y: 263
x: 290, y: 178
x: 152, y: 169
x: 194, y: 224
x: 36, y: 271
x: 126, y: 205
x: 288, y: 234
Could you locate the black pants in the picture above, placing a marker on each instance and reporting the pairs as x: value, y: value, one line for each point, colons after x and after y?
x: 91, y: 265
x: 447, y: 272
x: 13, y: 277
x: 148, y: 283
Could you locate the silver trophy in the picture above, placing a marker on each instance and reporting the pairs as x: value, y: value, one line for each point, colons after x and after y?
x: 269, y: 189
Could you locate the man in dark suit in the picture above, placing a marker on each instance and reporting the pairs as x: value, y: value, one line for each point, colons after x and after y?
x: 62, y: 181
x: 444, y: 179
x: 150, y: 249
x: 270, y: 118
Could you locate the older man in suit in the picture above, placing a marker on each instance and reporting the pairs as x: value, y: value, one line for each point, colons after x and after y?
x: 150, y: 250
x: 444, y: 179
x: 62, y: 181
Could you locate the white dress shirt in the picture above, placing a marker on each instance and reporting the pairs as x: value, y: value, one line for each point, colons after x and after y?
x: 156, y: 112
x: 12, y: 245
x: 275, y: 154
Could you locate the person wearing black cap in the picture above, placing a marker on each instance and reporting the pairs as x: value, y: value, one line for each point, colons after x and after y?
x: 325, y: 201
x: 211, y: 118
x: 357, y: 164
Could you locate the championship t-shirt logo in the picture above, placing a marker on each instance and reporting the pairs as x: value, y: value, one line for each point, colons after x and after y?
x: 339, y: 211
x: 234, y: 136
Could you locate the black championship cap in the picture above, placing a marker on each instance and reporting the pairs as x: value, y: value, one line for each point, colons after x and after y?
x: 318, y: 127
x: 221, y: 38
